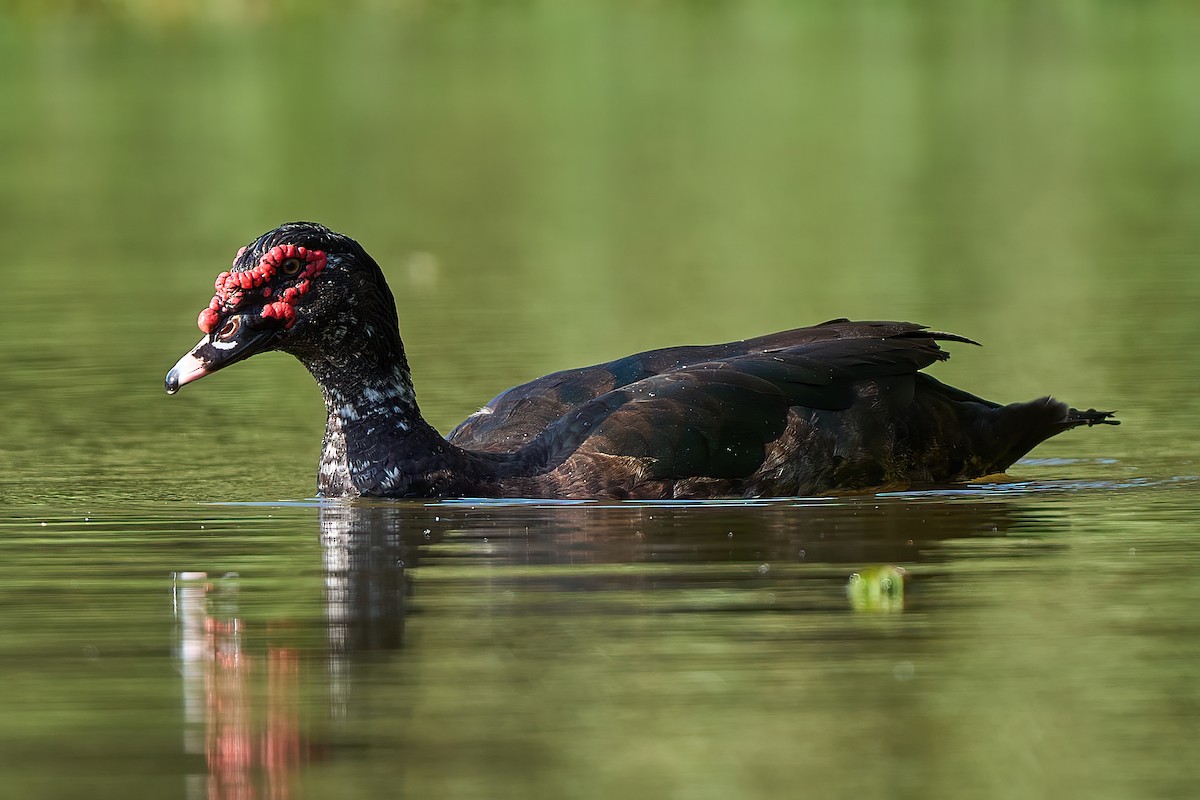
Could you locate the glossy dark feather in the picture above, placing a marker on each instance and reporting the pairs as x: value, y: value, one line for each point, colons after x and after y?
x: 517, y: 415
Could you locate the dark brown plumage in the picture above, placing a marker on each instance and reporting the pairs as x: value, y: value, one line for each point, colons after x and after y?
x: 834, y: 407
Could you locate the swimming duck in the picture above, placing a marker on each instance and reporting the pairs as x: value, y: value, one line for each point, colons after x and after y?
x: 840, y: 406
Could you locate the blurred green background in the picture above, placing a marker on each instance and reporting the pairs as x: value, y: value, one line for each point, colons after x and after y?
x: 549, y: 184
x: 552, y: 184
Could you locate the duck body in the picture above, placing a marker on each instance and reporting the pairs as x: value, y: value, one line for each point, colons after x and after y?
x: 841, y: 406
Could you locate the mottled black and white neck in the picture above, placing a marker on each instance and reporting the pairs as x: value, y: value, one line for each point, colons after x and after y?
x: 376, y: 441
x: 841, y: 406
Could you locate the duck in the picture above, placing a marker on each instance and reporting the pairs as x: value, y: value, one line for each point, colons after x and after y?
x: 839, y: 407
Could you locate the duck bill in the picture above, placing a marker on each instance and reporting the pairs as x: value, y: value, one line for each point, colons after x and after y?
x: 211, y: 354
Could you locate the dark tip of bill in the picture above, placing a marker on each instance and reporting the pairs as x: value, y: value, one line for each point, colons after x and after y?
x: 172, y: 381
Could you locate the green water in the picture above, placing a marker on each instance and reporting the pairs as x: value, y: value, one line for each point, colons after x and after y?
x: 549, y: 185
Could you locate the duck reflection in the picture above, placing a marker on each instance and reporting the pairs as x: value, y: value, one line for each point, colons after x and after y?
x: 368, y: 550
x: 250, y: 747
x: 243, y: 699
x: 833, y: 532
x: 370, y: 547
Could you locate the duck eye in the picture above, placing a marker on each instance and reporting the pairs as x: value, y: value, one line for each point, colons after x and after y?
x: 290, y: 266
x: 229, y: 329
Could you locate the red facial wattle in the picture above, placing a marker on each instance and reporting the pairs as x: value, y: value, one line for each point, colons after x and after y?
x: 238, y: 289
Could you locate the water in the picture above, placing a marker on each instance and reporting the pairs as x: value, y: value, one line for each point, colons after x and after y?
x: 547, y: 187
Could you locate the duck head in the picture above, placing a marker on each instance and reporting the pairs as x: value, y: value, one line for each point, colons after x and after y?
x: 300, y: 288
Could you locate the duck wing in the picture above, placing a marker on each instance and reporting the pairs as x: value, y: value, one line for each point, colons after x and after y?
x: 714, y: 419
x: 515, y: 417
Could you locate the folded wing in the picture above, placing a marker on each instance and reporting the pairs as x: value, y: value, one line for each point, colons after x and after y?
x: 715, y: 418
x: 732, y: 381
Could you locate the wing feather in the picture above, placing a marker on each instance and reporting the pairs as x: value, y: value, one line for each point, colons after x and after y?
x: 716, y: 418
x: 516, y: 417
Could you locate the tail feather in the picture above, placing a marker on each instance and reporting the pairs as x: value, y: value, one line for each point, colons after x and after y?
x: 976, y: 437
x: 1091, y: 417
x: 1023, y: 426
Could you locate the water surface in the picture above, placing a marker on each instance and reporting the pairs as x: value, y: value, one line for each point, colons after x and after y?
x: 548, y: 186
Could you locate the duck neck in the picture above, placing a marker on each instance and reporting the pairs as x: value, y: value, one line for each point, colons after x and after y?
x: 376, y: 441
